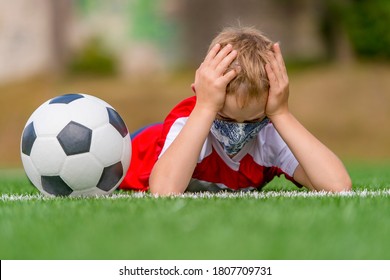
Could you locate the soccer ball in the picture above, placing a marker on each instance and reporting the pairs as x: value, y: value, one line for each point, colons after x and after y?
x: 75, y: 145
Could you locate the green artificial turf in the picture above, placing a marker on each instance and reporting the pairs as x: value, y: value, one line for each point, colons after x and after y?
x: 283, y: 226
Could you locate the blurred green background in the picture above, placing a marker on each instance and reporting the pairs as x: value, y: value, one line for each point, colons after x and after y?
x: 141, y: 55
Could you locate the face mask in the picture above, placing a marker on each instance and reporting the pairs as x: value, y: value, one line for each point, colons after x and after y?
x: 233, y: 136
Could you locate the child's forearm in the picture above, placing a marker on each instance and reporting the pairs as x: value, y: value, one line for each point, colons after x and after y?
x: 323, y: 168
x: 173, y: 171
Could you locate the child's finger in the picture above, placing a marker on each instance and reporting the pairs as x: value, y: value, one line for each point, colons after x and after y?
x: 221, y: 55
x: 273, y: 82
x: 229, y: 76
x: 226, y: 61
x: 280, y: 60
x: 274, y: 65
x: 212, y: 53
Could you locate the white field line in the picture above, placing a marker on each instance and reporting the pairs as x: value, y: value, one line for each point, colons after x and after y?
x: 256, y: 195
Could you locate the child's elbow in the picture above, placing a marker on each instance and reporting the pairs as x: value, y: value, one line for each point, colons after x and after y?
x: 342, y: 185
x: 154, y: 187
x: 162, y: 188
x: 163, y: 191
x: 338, y: 185
x: 155, y: 184
x: 156, y: 191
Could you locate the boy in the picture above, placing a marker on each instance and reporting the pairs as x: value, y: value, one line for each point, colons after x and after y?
x: 237, y: 132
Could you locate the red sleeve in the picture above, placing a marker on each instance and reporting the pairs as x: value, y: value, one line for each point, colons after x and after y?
x: 147, y: 146
x: 143, y: 157
x: 183, y: 109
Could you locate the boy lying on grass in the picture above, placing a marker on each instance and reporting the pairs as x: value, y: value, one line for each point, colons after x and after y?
x: 236, y: 133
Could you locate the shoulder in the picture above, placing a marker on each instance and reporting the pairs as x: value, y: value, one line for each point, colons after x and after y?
x: 269, y: 145
x: 175, y: 121
x: 178, y: 116
x: 182, y: 109
x: 269, y: 137
x: 274, y: 151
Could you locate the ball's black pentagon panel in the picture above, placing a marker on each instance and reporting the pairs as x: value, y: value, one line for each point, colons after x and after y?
x: 28, y: 139
x: 75, y: 138
x: 110, y: 177
x: 66, y: 98
x: 117, y: 122
x: 55, y: 185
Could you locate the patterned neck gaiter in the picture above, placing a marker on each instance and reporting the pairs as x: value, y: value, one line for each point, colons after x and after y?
x: 233, y: 136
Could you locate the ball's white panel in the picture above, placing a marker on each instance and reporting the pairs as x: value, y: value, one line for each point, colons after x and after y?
x: 47, y: 155
x: 107, y: 145
x: 81, y: 172
x: 31, y: 171
x: 50, y: 119
x: 88, y: 112
x: 126, y: 154
x: 98, y: 100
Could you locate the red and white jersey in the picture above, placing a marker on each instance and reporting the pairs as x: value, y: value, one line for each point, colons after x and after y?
x: 257, y: 163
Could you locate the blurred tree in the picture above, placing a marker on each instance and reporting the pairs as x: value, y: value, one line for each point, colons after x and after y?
x: 148, y: 23
x: 294, y: 23
x: 60, y: 12
x: 361, y: 23
x: 334, y: 31
x: 93, y: 59
x: 151, y: 24
x: 367, y: 23
x: 308, y: 29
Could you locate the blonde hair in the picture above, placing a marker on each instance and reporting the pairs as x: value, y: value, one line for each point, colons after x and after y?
x: 253, y: 54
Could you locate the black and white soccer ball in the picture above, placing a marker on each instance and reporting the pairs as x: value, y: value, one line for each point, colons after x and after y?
x: 75, y: 145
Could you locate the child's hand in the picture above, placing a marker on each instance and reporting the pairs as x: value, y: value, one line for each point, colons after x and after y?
x: 277, y: 102
x: 211, y: 79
